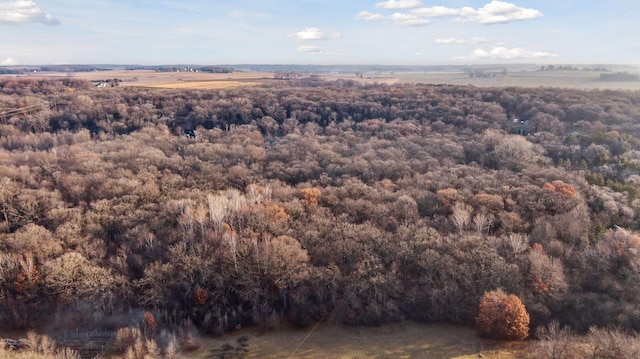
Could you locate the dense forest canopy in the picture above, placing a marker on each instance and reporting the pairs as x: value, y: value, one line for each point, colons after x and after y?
x: 310, y: 200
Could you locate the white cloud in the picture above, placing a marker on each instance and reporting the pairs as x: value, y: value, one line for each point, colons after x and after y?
x: 497, y: 12
x: 7, y: 62
x: 310, y: 49
x: 313, y: 33
x: 368, y: 16
x: 24, y: 12
x: 454, y: 41
x: 408, y: 20
x: 436, y: 11
x: 504, y: 53
x: 310, y: 33
x: 399, y: 4
x: 451, y: 41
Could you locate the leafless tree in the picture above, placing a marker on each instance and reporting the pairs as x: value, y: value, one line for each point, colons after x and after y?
x: 218, y: 210
x: 556, y: 342
x: 519, y: 243
x: 483, y: 221
x: 461, y: 216
x: 187, y: 219
x: 613, y: 343
x: 231, y: 238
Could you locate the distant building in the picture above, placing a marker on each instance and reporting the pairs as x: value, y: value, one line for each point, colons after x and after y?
x: 522, y: 127
x: 190, y: 133
x: 288, y: 75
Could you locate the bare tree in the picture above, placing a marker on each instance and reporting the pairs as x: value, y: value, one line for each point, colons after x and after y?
x: 218, y: 210
x: 236, y: 202
x: 187, y: 219
x: 519, y: 243
x: 613, y: 343
x: 555, y: 342
x: 28, y: 267
x: 254, y: 194
x: 231, y: 238
x: 201, y: 216
x: 483, y: 221
x: 461, y: 216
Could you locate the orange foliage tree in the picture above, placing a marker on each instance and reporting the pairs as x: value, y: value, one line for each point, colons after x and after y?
x: 502, y: 316
x: 310, y: 195
x: 561, y: 187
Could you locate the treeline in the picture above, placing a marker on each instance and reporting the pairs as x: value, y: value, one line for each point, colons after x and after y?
x: 309, y: 200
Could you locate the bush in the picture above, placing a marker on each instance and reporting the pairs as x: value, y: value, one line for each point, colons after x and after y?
x: 502, y: 316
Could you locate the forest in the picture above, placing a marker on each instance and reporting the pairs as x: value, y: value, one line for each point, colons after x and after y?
x: 309, y: 200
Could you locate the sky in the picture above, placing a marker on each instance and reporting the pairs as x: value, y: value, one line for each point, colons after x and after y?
x: 322, y: 32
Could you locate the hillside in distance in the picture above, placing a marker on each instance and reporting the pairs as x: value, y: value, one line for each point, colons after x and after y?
x: 305, y: 200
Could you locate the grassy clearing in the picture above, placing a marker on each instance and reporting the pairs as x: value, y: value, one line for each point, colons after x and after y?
x: 405, y: 340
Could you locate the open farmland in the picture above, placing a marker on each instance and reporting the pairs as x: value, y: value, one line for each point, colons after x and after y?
x: 150, y: 78
x: 582, y: 80
x: 201, y: 84
x: 515, y: 77
x: 587, y: 80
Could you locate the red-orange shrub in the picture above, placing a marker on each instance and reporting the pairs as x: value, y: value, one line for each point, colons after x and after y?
x: 502, y: 316
x: 561, y: 187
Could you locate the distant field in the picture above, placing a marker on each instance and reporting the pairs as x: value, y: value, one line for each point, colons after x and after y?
x: 587, y: 80
x: 582, y: 80
x: 199, y: 84
x: 406, y: 340
x: 173, y: 80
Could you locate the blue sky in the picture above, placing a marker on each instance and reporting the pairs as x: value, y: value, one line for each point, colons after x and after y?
x: 391, y: 32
